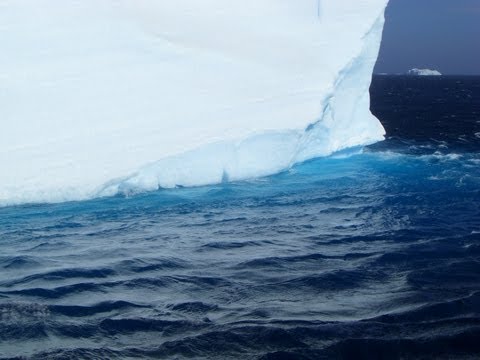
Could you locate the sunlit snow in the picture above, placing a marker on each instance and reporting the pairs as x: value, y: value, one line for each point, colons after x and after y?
x: 98, y: 97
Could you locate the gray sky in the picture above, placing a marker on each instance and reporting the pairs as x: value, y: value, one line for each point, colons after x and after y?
x: 436, y: 34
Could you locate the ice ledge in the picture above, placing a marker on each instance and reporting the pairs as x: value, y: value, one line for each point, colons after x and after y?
x: 345, y: 122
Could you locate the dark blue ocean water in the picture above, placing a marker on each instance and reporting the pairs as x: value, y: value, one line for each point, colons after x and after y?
x: 374, y: 255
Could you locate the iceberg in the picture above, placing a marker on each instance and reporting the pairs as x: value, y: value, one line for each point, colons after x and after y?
x: 119, y: 96
x: 424, y: 72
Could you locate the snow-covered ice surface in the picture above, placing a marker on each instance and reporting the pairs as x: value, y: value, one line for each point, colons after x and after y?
x: 100, y: 97
x: 424, y: 72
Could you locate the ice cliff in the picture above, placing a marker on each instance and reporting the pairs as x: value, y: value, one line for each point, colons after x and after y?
x: 101, y: 97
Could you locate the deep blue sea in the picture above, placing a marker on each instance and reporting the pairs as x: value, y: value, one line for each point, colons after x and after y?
x: 371, y: 254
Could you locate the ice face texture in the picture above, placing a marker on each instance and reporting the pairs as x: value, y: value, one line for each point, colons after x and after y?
x: 100, y: 97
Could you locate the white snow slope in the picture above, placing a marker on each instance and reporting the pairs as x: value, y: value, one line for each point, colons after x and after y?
x: 105, y: 96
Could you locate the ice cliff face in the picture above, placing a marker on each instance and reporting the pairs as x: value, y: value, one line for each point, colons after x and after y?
x: 98, y: 97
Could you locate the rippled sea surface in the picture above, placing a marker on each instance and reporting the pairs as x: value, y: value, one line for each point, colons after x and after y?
x: 367, y: 255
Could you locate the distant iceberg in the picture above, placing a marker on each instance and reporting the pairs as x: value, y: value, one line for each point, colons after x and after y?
x: 423, y: 72
x: 119, y: 96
